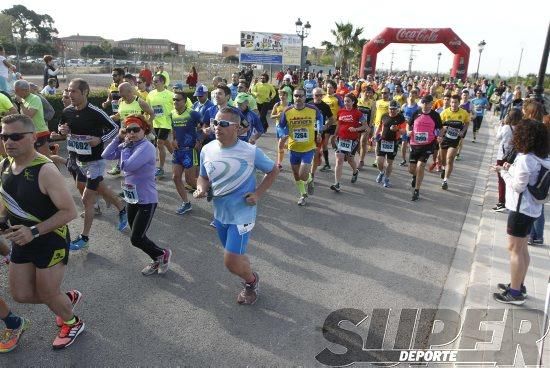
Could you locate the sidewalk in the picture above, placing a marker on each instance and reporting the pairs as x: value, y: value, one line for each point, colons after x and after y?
x: 482, y: 248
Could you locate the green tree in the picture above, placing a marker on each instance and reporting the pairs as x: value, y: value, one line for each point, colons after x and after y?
x: 106, y: 46
x: 347, y: 45
x: 5, y: 29
x: 26, y: 21
x: 119, y: 53
x: 40, y: 49
x: 92, y: 51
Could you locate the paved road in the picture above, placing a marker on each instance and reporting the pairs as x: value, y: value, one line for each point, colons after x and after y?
x: 366, y: 247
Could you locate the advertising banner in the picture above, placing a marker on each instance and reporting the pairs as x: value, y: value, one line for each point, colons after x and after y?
x: 269, y: 48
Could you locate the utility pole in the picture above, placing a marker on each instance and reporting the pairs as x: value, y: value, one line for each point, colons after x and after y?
x: 519, y: 65
x: 391, y: 63
x: 411, y: 58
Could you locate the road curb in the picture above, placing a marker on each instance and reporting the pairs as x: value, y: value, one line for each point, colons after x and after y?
x: 454, y: 291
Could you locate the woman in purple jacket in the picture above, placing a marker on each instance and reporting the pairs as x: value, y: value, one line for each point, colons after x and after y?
x: 137, y: 162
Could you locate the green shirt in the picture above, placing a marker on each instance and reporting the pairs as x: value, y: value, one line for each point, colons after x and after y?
x: 5, y: 104
x: 162, y: 105
x: 33, y: 102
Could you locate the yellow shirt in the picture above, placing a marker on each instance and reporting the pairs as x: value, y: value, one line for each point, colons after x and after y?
x: 334, y: 103
x: 401, y: 99
x: 454, y: 121
x: 161, y: 103
x: 301, y: 127
x: 382, y: 107
x: 264, y: 92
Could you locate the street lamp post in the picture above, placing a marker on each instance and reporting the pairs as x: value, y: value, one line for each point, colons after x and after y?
x: 302, y: 30
x: 480, y: 46
x: 438, y: 58
x: 539, y: 88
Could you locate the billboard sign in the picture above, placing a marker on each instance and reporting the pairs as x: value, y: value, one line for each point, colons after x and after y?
x: 269, y: 48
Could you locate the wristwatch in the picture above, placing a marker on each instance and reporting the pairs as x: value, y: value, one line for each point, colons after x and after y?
x: 34, y: 232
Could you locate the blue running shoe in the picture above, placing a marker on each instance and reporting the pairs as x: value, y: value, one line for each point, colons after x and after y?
x: 380, y: 177
x: 78, y: 243
x: 122, y: 220
x: 185, y: 207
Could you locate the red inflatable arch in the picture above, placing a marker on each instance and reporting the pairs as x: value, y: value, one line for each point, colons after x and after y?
x: 445, y: 36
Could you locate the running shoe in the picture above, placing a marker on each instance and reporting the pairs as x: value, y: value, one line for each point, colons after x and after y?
x: 504, y: 287
x: 122, y: 220
x: 387, y: 183
x: 335, y: 187
x: 507, y: 298
x: 444, y: 185
x: 78, y: 244
x: 354, y: 176
x: 159, y: 173
x: 374, y: 164
x: 249, y: 294
x: 325, y: 168
x: 416, y: 195
x: 535, y: 242
x: 302, y: 201
x: 151, y: 268
x: 10, y: 338
x: 185, y: 207
x: 380, y: 177
x: 403, y: 163
x: 75, y: 297
x: 458, y: 158
x: 68, y: 334
x: 500, y: 207
x: 164, y: 261
x: 115, y: 170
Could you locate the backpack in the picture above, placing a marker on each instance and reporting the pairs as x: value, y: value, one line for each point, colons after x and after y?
x: 540, y: 190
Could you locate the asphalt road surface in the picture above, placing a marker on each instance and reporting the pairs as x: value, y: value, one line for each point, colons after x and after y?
x: 366, y: 247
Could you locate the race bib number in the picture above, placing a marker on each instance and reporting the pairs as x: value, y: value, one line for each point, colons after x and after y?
x: 421, y: 137
x: 387, y: 146
x: 301, y: 135
x: 79, y: 144
x: 344, y: 145
x: 130, y: 193
x: 479, y: 108
x: 158, y: 110
x: 246, y: 228
x: 452, y: 133
x: 114, y: 105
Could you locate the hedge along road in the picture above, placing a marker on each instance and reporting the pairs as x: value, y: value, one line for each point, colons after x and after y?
x: 367, y: 247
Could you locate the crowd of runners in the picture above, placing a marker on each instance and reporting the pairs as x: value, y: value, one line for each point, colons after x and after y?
x: 421, y: 121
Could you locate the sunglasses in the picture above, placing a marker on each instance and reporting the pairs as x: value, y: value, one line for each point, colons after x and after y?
x: 223, y: 123
x: 14, y: 136
x: 133, y: 129
x: 115, y: 75
x: 177, y: 99
x: 298, y: 96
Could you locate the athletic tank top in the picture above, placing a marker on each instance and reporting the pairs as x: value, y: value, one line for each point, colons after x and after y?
x: 25, y: 203
x: 126, y: 109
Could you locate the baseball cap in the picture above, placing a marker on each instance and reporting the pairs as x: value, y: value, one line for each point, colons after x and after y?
x: 427, y: 99
x: 241, y: 97
x: 200, y: 91
x: 394, y: 104
x: 178, y: 86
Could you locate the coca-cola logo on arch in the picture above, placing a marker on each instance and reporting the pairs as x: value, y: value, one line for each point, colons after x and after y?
x: 417, y: 35
x: 455, y: 42
x: 379, y: 41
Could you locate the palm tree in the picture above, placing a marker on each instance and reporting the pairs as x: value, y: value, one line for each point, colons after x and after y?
x: 348, y: 45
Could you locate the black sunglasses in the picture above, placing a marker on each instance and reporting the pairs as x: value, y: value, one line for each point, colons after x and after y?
x: 298, y: 96
x: 133, y: 129
x: 223, y: 123
x: 14, y: 136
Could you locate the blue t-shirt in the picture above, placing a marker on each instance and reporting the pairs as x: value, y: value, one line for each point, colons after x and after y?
x: 202, y: 108
x: 185, y: 127
x: 254, y: 125
x: 309, y: 85
x: 408, y: 111
x: 480, y: 104
x: 232, y: 173
x: 234, y: 90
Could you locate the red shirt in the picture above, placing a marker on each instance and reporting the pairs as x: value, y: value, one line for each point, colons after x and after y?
x: 147, y: 75
x: 346, y: 120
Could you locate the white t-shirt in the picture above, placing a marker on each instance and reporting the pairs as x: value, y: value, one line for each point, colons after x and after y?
x: 3, y: 68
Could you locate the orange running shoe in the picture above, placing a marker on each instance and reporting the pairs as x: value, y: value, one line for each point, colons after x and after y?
x: 68, y: 334
x: 10, y: 338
